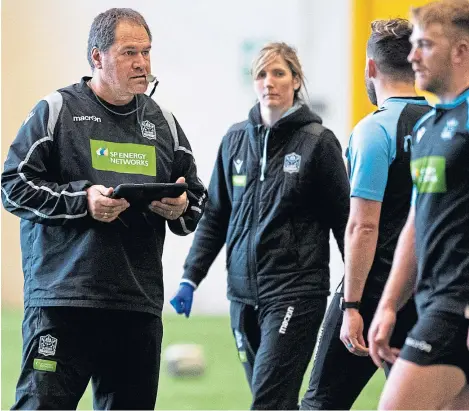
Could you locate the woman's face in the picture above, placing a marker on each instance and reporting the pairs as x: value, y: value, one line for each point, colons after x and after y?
x: 275, y: 85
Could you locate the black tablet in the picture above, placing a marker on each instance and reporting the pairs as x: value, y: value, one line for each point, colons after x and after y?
x: 143, y: 194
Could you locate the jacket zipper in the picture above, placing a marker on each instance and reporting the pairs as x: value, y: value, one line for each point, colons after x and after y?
x: 264, y: 154
x: 253, y: 232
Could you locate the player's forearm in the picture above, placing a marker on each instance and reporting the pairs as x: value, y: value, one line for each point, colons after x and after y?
x: 360, y: 248
x: 400, y: 285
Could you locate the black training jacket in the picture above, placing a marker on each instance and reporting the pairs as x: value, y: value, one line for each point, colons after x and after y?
x: 275, y: 194
x: 69, y: 142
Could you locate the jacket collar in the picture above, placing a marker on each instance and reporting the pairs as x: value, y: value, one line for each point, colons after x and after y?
x: 300, y: 116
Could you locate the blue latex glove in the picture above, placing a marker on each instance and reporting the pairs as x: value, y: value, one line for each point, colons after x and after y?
x: 182, y: 301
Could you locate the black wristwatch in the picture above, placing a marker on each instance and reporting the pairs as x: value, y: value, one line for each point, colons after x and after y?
x: 348, y: 304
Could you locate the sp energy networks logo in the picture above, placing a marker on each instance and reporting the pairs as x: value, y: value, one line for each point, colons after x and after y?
x: 429, y: 174
x: 123, y: 157
x: 102, y: 151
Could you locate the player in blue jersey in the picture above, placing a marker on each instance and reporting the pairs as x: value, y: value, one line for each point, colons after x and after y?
x: 432, y: 258
x: 378, y: 160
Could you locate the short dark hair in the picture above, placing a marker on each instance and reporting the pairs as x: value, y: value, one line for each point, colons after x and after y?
x: 389, y: 46
x: 103, y: 29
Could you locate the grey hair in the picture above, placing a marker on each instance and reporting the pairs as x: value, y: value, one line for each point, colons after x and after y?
x: 103, y: 29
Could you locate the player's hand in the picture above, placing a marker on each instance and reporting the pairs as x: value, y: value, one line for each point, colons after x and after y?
x: 351, y: 333
x: 182, y: 300
x: 379, y: 336
x: 103, y: 208
x: 171, y: 208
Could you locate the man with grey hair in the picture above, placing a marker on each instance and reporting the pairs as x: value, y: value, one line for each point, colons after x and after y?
x: 93, y: 288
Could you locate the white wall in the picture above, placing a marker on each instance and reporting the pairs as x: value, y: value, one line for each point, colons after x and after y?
x: 199, y: 54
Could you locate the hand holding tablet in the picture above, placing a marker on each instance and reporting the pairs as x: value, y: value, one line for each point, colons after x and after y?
x: 141, y: 195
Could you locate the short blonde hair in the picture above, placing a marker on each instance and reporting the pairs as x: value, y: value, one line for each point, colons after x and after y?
x: 451, y: 14
x: 270, y: 52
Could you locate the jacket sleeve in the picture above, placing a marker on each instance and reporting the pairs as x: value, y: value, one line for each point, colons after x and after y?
x: 29, y: 182
x: 211, y: 233
x: 336, y: 188
x: 185, y: 166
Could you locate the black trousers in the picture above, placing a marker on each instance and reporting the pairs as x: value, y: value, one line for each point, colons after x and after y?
x: 275, y: 344
x: 339, y: 376
x: 65, y: 347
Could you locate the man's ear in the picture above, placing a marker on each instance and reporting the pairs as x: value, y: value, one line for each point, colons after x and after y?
x: 96, y: 57
x: 460, y: 50
x: 371, y: 68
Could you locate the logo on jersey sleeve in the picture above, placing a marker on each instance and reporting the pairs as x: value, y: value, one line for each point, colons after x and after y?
x: 429, y: 174
x: 292, y: 163
x: 450, y: 129
x: 123, y: 157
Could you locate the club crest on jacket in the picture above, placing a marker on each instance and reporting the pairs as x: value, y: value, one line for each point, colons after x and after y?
x: 292, y: 163
x: 148, y: 130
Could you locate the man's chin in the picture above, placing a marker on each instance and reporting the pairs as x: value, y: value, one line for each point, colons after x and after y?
x: 424, y: 85
x: 140, y: 89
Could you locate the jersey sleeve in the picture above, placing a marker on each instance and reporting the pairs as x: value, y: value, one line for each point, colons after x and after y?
x: 29, y: 184
x: 370, y: 153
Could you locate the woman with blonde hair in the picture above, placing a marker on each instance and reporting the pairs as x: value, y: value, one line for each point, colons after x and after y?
x: 278, y: 187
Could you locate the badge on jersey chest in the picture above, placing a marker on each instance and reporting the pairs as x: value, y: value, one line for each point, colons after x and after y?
x: 292, y: 163
x: 148, y: 130
x: 450, y: 129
